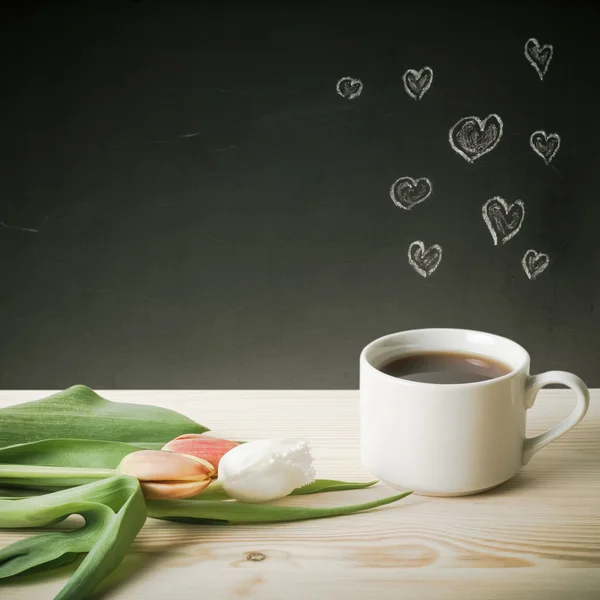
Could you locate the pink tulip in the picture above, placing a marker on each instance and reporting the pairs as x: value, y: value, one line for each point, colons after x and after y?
x: 168, y: 475
x: 202, y: 446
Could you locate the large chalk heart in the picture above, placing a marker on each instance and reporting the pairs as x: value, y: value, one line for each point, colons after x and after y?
x: 539, y: 56
x: 416, y: 83
x: 503, y: 220
x: 424, y: 260
x: 349, y: 88
x: 407, y: 192
x: 534, y: 263
x: 473, y: 137
x: 545, y: 144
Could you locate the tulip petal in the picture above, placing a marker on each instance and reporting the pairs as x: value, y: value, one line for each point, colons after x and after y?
x: 264, y: 470
x: 207, y: 447
x: 170, y: 490
x: 156, y: 465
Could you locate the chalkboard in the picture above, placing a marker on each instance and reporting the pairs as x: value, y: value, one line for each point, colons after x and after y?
x: 242, y: 195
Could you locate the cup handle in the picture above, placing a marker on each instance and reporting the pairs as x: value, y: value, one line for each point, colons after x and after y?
x: 534, y: 384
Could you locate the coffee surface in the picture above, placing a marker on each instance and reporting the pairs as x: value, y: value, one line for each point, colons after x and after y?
x: 445, y: 367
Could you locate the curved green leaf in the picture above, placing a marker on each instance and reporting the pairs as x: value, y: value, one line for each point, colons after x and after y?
x: 114, y: 512
x: 240, y: 512
x: 79, y: 413
x: 33, y: 552
x: 110, y: 549
x: 65, y: 559
x: 10, y: 492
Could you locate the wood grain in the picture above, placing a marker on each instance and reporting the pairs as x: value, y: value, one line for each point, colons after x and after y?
x: 537, y: 536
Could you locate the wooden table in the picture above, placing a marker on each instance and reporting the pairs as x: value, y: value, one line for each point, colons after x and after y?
x: 535, y: 537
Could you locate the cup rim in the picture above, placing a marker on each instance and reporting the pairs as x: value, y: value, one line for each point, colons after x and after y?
x: 521, y: 368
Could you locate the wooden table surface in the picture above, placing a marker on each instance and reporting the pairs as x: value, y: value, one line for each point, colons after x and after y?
x: 535, y: 537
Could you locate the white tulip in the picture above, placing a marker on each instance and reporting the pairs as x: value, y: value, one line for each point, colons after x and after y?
x: 264, y: 470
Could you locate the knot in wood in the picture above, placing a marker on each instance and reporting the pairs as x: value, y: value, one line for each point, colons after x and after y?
x: 255, y: 556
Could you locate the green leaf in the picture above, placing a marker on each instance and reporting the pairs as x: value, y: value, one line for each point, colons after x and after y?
x: 215, y: 490
x: 114, y: 512
x: 93, y: 454
x: 241, y: 512
x: 195, y: 521
x: 9, y: 492
x: 109, y: 551
x: 65, y: 559
x: 36, y: 486
x: 331, y: 485
x: 33, y: 552
x: 79, y: 413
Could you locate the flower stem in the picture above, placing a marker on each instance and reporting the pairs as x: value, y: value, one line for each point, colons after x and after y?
x: 31, y: 475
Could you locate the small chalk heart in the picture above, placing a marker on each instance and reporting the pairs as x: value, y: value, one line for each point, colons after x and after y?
x: 407, y: 192
x: 349, y: 88
x: 424, y: 260
x: 545, y: 144
x: 472, y: 137
x: 416, y: 83
x: 503, y: 220
x: 534, y: 263
x: 539, y: 56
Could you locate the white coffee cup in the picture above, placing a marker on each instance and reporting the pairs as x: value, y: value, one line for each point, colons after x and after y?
x: 453, y: 439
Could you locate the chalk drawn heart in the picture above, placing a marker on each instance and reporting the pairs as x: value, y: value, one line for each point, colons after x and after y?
x: 349, y: 88
x: 416, y: 83
x: 503, y: 221
x: 545, y: 144
x: 472, y: 137
x: 407, y: 192
x: 424, y: 260
x: 538, y: 56
x: 534, y: 263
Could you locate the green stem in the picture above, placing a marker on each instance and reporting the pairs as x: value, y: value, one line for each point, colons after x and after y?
x: 53, y: 476
x: 21, y: 471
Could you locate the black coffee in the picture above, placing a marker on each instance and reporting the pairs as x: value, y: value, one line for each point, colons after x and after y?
x: 445, y: 367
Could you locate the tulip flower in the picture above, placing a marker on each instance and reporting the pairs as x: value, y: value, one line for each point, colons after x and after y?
x: 264, y: 470
x: 167, y: 475
x: 201, y: 446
